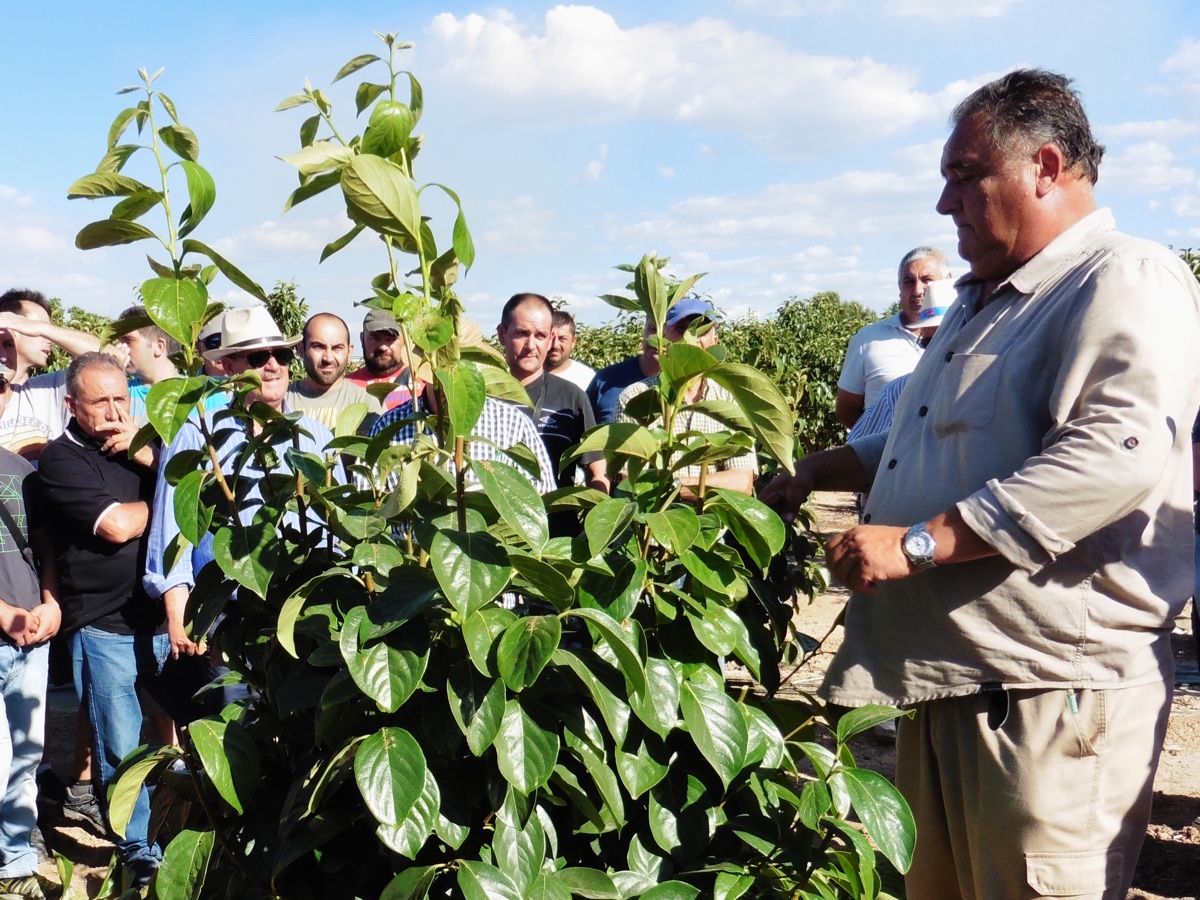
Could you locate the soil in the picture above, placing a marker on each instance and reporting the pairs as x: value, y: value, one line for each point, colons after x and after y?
x: 1169, y: 865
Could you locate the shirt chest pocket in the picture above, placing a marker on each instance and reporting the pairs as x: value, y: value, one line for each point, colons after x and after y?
x: 965, y: 398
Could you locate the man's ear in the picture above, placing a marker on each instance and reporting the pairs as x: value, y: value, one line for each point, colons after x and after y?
x: 500, y: 333
x: 160, y: 347
x: 1049, y: 168
x: 70, y: 401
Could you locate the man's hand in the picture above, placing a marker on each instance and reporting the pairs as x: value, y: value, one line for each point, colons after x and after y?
x: 175, y: 601
x: 22, y: 325
x: 787, y: 493
x: 19, y: 624
x: 49, y: 619
x: 118, y: 437
x: 862, y: 557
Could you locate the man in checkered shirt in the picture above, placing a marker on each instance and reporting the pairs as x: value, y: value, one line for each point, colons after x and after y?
x: 736, y: 473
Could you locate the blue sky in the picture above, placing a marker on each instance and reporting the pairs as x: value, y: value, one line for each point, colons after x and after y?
x: 783, y: 146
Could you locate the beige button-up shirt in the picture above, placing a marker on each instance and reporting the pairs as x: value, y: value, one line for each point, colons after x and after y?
x: 1056, y: 415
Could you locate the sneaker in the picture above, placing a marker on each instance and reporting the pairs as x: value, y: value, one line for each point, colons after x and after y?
x: 141, y: 872
x: 29, y: 887
x: 85, y: 809
x: 38, y: 842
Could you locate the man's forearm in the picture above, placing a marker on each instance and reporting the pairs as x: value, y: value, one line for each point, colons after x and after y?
x: 74, y: 342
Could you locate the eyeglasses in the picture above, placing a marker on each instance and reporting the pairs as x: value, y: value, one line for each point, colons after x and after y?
x: 212, y: 342
x: 256, y: 359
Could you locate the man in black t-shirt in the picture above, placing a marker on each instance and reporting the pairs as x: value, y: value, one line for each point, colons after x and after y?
x: 99, y: 500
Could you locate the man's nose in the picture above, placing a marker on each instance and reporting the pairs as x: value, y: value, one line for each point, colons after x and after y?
x: 944, y: 205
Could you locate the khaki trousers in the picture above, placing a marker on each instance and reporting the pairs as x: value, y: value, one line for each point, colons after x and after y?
x: 1031, y: 793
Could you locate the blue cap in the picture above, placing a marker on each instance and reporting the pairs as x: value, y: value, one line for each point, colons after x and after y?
x: 688, y: 307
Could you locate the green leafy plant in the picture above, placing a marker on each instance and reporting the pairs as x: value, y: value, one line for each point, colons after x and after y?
x: 409, y: 736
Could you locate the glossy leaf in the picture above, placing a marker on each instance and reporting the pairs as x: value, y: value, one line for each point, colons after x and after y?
x: 228, y: 269
x: 379, y: 195
x: 175, y: 304
x: 757, y: 527
x: 471, y: 567
x: 642, y: 763
x: 182, y: 140
x: 546, y: 886
x: 679, y: 816
x: 519, y: 848
x: 334, y: 246
x: 480, y: 881
x: 482, y: 631
x: 185, y: 865
x: 590, y: 883
x: 682, y: 363
x: 863, y: 718
x: 605, y: 522
x: 716, y: 725
x: 619, y: 439
x: 230, y: 759
x: 409, y: 836
x: 713, y: 571
x: 389, y: 127
x: 658, y: 706
x: 192, y: 517
x: 120, y: 123
x: 672, y: 890
x: 676, y: 529
x: 320, y: 156
x: 767, y: 409
x: 292, y: 101
x: 110, y: 233
x: 389, y: 768
x: 525, y: 752
x: 367, y: 94
x: 526, y: 648
x: 290, y: 612
x: 105, y: 185
x: 355, y: 64
x: 248, y: 555
x: 884, y: 813
x: 542, y: 580
x: 621, y: 643
x: 411, y: 884
x: 134, y: 771
x: 385, y: 672
x: 466, y: 392
x: 477, y: 704
x: 134, y: 207
x: 516, y: 499
x: 202, y: 194
x: 170, y: 402
x: 731, y: 886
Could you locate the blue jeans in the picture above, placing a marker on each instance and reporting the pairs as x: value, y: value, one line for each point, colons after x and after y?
x: 109, y: 667
x: 22, y: 735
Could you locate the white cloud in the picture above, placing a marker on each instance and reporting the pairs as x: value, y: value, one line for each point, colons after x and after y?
x: 1156, y: 130
x: 1184, y: 64
x: 296, y: 236
x: 1144, y: 168
x: 789, y: 8
x: 522, y: 226
x: 584, y: 66
x: 666, y: 172
x: 32, y: 239
x: 705, y: 150
x: 595, y: 168
x: 14, y: 196
x: 942, y: 10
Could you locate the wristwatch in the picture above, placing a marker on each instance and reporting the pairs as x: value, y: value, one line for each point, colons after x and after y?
x: 918, y: 546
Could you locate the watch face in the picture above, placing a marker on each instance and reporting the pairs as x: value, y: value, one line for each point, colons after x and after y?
x: 918, y: 545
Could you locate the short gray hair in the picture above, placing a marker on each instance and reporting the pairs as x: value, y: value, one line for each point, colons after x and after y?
x: 85, y: 361
x: 921, y: 253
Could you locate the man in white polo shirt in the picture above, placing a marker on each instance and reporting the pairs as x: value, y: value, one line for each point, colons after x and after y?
x: 883, y: 351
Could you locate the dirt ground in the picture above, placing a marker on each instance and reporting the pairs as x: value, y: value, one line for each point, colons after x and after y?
x: 1169, y: 865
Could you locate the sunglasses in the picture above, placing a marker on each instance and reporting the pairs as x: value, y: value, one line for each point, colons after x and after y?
x: 212, y: 342
x: 256, y: 359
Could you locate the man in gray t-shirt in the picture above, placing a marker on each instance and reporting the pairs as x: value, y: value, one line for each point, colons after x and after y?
x: 324, y: 392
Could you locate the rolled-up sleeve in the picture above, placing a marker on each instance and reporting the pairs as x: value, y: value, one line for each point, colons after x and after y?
x: 163, y: 527
x: 1115, y: 407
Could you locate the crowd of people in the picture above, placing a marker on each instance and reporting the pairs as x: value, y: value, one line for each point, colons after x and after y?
x: 1018, y: 439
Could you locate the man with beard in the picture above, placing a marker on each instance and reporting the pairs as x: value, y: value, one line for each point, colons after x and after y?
x: 558, y: 355
x: 325, y: 391
x: 383, y: 358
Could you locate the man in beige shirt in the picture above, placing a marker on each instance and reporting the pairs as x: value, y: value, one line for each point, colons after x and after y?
x: 1026, y: 543
x: 325, y: 391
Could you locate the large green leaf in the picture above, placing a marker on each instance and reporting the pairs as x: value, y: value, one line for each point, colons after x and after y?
x: 175, y: 305
x: 320, y: 156
x: 546, y: 886
x: 883, y: 812
x: 605, y: 522
x: 616, y: 440
x: 757, y: 527
x: 681, y: 816
x: 202, y: 194
x: 471, y: 567
x: 641, y: 763
x: 230, y: 758
x: 411, y: 884
x: 228, y: 269
x: 658, y: 706
x: 482, y: 631
x: 590, y: 883
x: 105, y: 184
x: 716, y: 725
x: 285, y: 626
x: 526, y: 648
x: 379, y: 195
x: 480, y: 881
x: 855, y: 721
x: 717, y: 627
x: 676, y: 529
x: 388, y: 129
x: 767, y: 409
x: 130, y: 777
x: 170, y: 402
x: 192, y: 516
x: 114, y: 160
x: 248, y: 554
x: 589, y: 669
x: 182, y: 140
x: 409, y: 836
x: 621, y: 643
x: 185, y: 865
x: 110, y: 233
x: 389, y: 768
x: 525, y: 752
x: 477, y: 704
x: 516, y: 499
x: 519, y: 846
x: 714, y: 571
x: 672, y: 890
x: 387, y: 673
x: 465, y: 392
x: 681, y: 363
x: 355, y: 64
x: 542, y: 579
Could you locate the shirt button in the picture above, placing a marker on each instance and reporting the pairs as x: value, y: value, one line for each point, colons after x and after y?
x: 923, y: 411
x: 949, y: 355
x: 891, y: 464
x: 867, y: 519
x: 1129, y: 443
